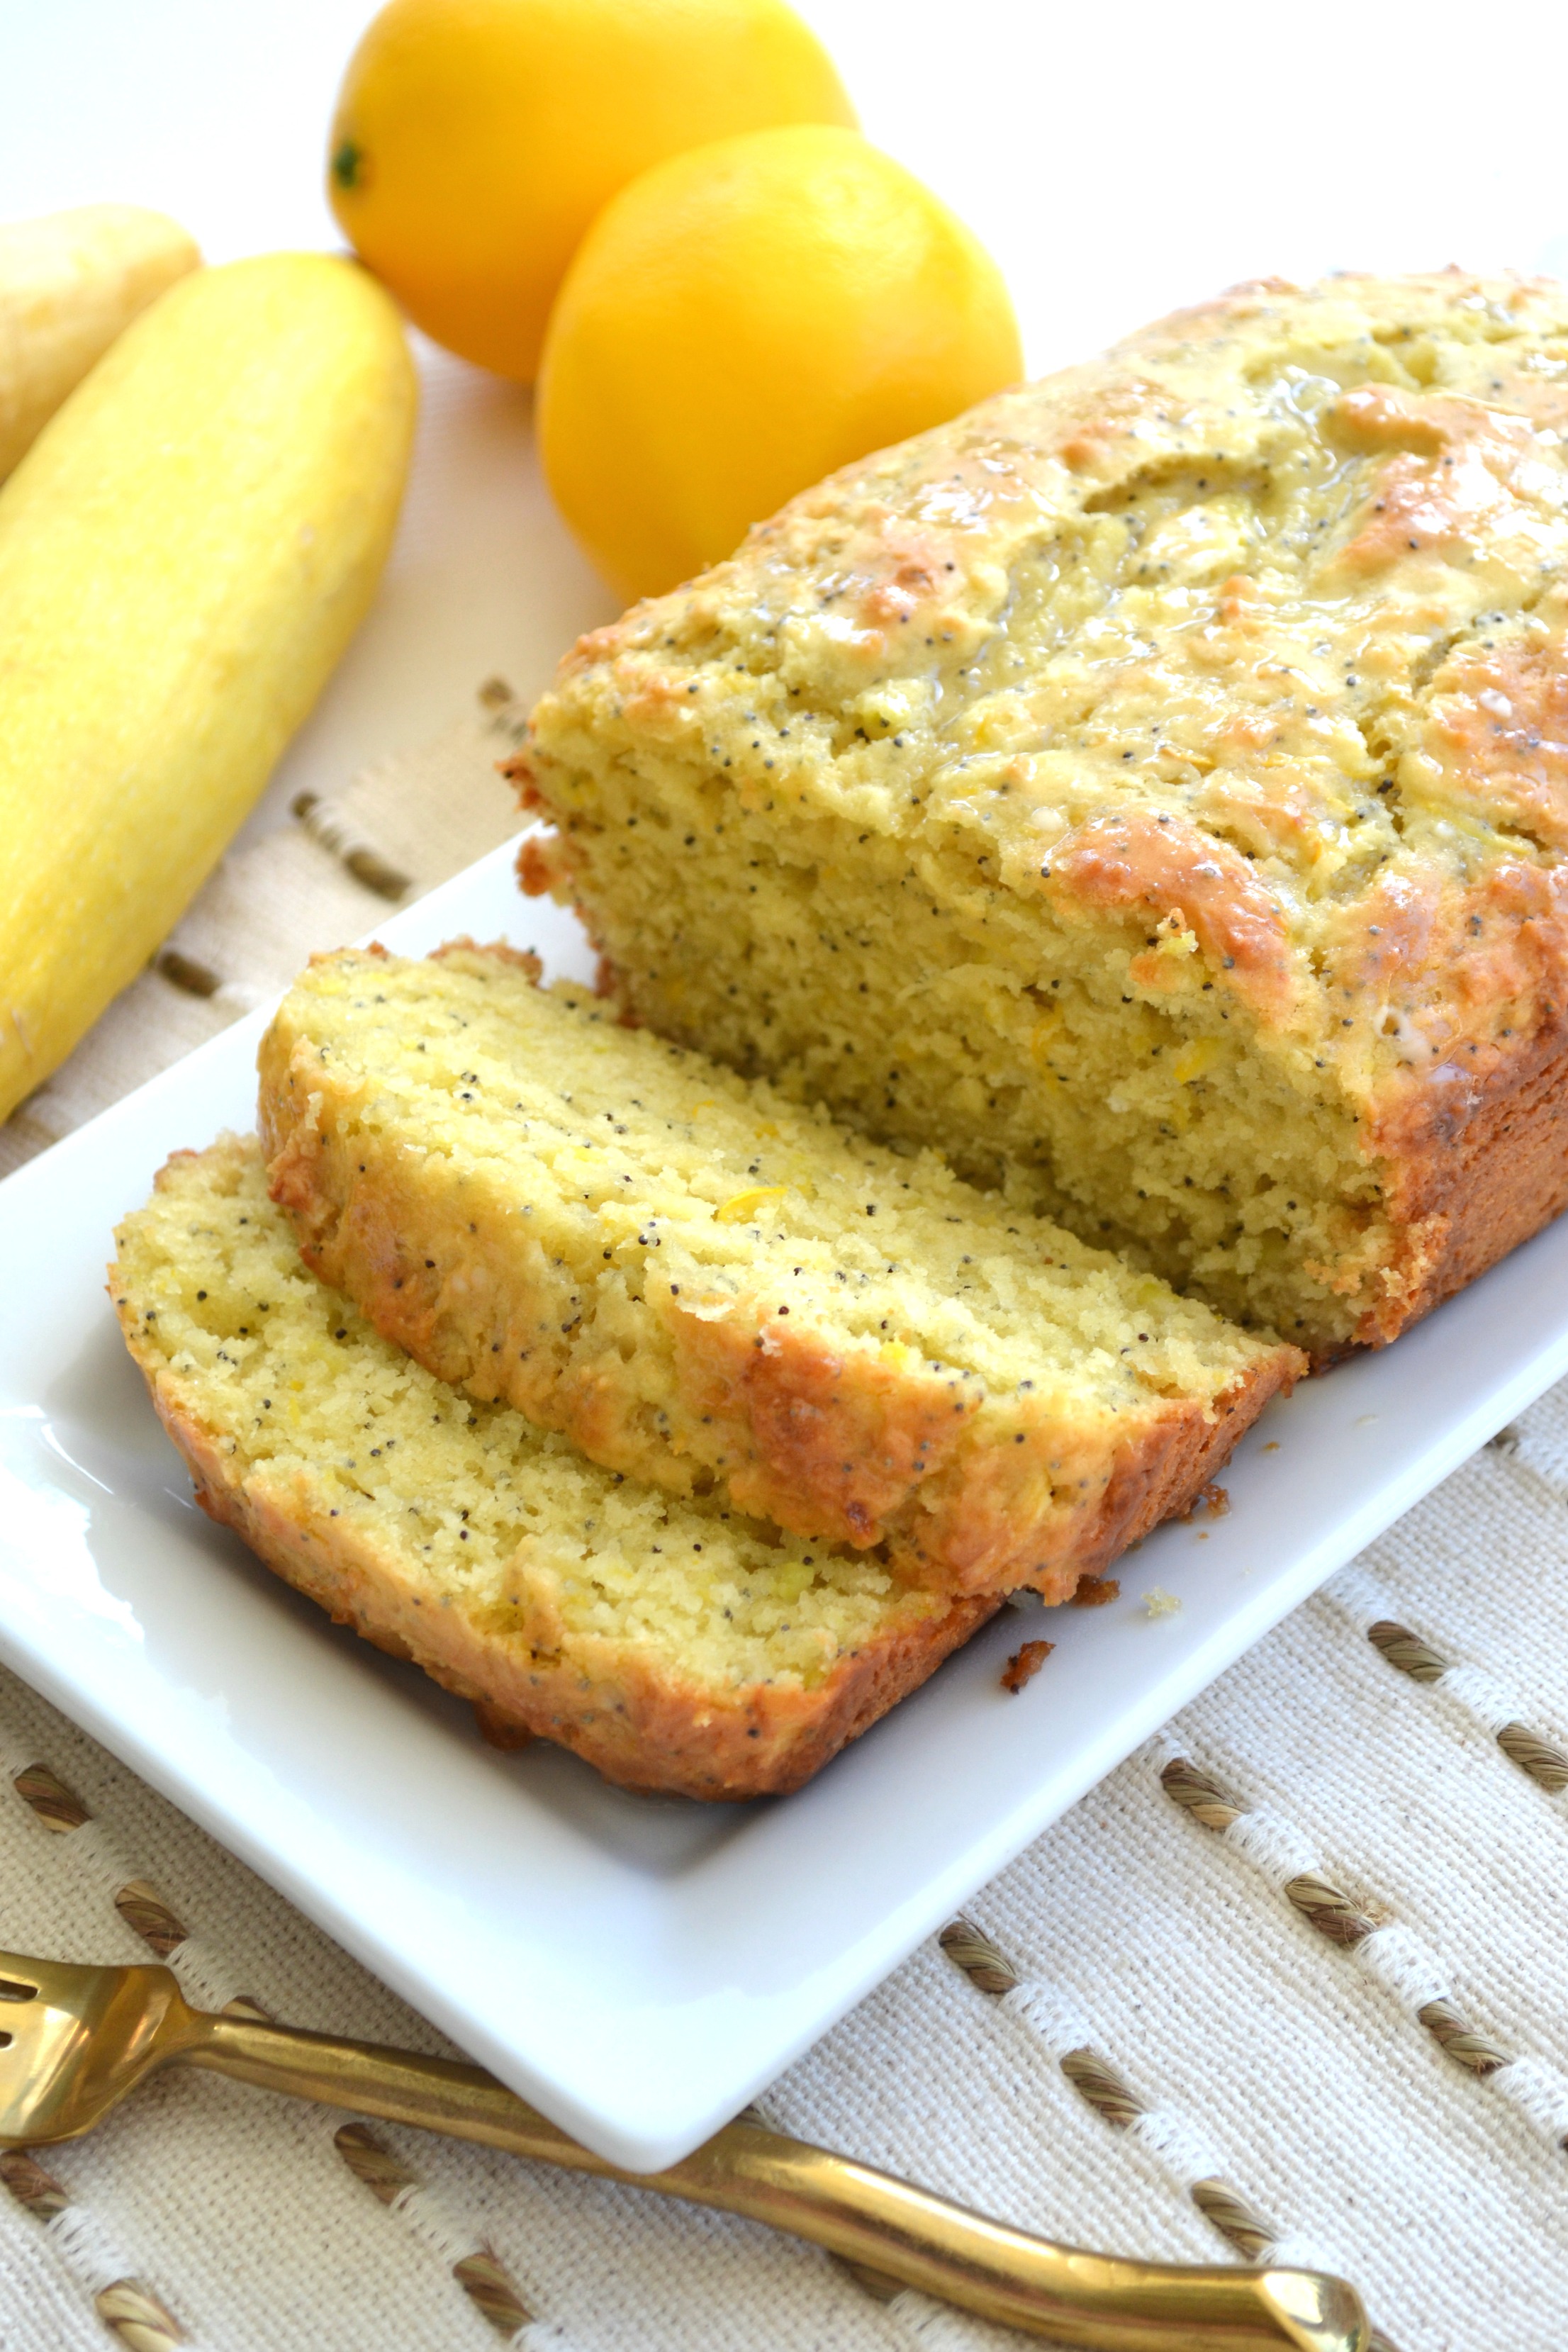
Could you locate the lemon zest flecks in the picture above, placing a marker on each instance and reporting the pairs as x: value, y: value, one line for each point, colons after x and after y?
x: 741, y: 1207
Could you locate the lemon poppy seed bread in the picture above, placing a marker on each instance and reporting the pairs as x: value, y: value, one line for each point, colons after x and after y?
x: 674, y: 1645
x: 708, y: 1289
x: 1155, y: 781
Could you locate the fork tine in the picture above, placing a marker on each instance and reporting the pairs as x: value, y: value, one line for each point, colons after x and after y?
x: 75, y: 2038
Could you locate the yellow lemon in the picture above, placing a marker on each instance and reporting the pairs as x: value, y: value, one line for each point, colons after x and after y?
x: 475, y: 140
x: 742, y: 320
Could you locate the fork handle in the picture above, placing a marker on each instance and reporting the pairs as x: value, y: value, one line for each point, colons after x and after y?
x: 901, y: 2234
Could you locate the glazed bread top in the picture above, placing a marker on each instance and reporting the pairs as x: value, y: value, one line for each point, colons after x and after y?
x: 1246, y: 639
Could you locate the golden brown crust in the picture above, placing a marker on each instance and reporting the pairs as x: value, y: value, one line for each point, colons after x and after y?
x: 975, y: 1517
x: 1475, y: 1148
x: 637, y: 1723
x: 839, y: 1445
x: 1470, y: 1195
x: 1161, y: 866
x: 1498, y: 734
x: 1169, y: 1477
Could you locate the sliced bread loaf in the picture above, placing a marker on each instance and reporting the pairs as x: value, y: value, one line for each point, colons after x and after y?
x: 1155, y: 778
x: 672, y: 1644
x: 708, y: 1289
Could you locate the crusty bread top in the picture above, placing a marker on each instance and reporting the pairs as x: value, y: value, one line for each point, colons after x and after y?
x: 1251, y: 630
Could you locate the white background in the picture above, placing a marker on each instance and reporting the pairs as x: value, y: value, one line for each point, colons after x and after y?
x: 1117, y: 159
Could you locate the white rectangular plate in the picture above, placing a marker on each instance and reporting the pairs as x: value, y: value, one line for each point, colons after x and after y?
x: 637, y: 1967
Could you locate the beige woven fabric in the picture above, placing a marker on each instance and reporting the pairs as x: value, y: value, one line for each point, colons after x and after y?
x: 1230, y: 1944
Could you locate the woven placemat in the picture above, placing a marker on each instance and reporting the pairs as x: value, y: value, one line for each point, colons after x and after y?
x: 1294, y: 1978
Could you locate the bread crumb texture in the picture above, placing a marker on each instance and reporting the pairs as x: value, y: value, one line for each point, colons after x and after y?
x: 712, y: 1289
x: 673, y: 1643
x: 1155, y: 783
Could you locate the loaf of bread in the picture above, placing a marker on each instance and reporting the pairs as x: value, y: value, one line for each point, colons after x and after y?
x: 712, y: 1290
x: 673, y: 1643
x: 1155, y: 781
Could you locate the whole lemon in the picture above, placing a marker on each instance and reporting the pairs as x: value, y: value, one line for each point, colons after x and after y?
x: 475, y: 140
x: 742, y: 320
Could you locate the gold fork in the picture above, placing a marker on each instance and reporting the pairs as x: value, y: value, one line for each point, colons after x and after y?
x: 80, y: 2038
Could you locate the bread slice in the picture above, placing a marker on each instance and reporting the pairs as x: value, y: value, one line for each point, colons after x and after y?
x: 1155, y: 778
x: 708, y: 1288
x: 672, y: 1644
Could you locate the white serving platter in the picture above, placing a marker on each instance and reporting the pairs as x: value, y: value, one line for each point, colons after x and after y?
x: 639, y: 1968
